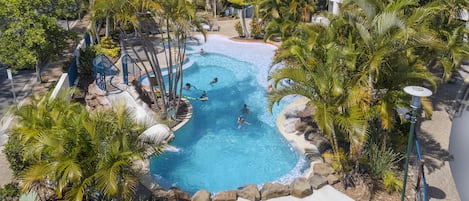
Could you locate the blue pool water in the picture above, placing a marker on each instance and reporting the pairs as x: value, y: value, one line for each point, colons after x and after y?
x: 214, y: 154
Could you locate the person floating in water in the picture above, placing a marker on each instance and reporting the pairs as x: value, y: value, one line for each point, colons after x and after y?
x: 204, y: 96
x: 240, y: 121
x: 215, y: 80
x: 187, y: 86
x: 202, y: 51
x: 245, y: 109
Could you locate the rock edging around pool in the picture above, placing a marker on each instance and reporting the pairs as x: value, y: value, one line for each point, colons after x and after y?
x: 300, y: 188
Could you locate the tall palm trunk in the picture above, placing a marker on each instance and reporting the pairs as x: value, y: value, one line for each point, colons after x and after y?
x: 152, y: 91
x: 169, y: 61
x: 243, y: 20
x: 335, y: 143
x: 207, y: 5
x: 108, y: 25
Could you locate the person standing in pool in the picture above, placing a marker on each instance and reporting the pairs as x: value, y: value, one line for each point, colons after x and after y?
x: 215, y: 80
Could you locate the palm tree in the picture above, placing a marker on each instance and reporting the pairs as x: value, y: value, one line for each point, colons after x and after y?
x: 329, y: 85
x: 243, y: 4
x: 376, y: 47
x: 76, y: 153
x: 178, y: 16
x: 120, y: 11
x: 283, y: 16
x: 451, y: 32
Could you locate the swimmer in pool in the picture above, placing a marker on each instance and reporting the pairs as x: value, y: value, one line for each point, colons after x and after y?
x: 240, y: 121
x: 215, y: 80
x: 187, y: 86
x: 245, y: 109
x: 204, y: 96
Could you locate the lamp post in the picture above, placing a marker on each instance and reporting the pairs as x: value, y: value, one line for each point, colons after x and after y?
x: 416, y: 92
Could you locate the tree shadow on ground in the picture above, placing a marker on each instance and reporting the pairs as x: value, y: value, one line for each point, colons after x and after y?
x: 434, y: 154
x: 444, y: 99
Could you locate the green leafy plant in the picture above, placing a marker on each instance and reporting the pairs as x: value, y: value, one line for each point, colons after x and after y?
x: 239, y: 29
x: 391, y: 182
x: 9, y: 192
x: 14, y: 154
x: 108, y: 47
x: 86, y: 60
x: 337, y: 161
x: 256, y: 28
x: 380, y: 161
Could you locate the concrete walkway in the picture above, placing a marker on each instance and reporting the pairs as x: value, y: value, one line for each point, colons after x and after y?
x: 444, y: 141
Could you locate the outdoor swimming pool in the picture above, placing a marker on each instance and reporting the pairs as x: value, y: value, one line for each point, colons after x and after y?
x: 214, y: 154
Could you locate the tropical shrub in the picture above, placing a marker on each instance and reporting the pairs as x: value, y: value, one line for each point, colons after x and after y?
x: 14, y: 154
x: 68, y: 147
x: 108, y: 48
x: 10, y: 191
x: 86, y: 60
x: 391, y: 182
x: 380, y: 161
x: 337, y: 161
x: 256, y: 28
x: 239, y: 29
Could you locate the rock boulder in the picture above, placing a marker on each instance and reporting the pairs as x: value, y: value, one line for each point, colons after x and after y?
x: 226, y: 196
x: 300, y: 188
x: 317, y: 181
x: 332, y: 179
x: 160, y: 194
x: 201, y: 195
x: 249, y: 192
x: 96, y: 99
x: 274, y: 190
x: 176, y: 194
x: 323, y: 169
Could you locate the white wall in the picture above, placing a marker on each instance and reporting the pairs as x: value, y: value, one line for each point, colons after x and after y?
x: 62, y: 86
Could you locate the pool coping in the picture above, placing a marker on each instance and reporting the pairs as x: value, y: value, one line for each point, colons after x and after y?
x: 186, y: 117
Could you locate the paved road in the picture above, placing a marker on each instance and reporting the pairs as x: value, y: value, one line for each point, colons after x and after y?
x: 20, y: 81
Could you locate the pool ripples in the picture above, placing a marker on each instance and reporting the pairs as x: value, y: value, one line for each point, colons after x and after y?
x: 215, y: 155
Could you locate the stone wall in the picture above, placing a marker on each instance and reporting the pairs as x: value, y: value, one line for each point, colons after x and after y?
x: 300, y: 187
